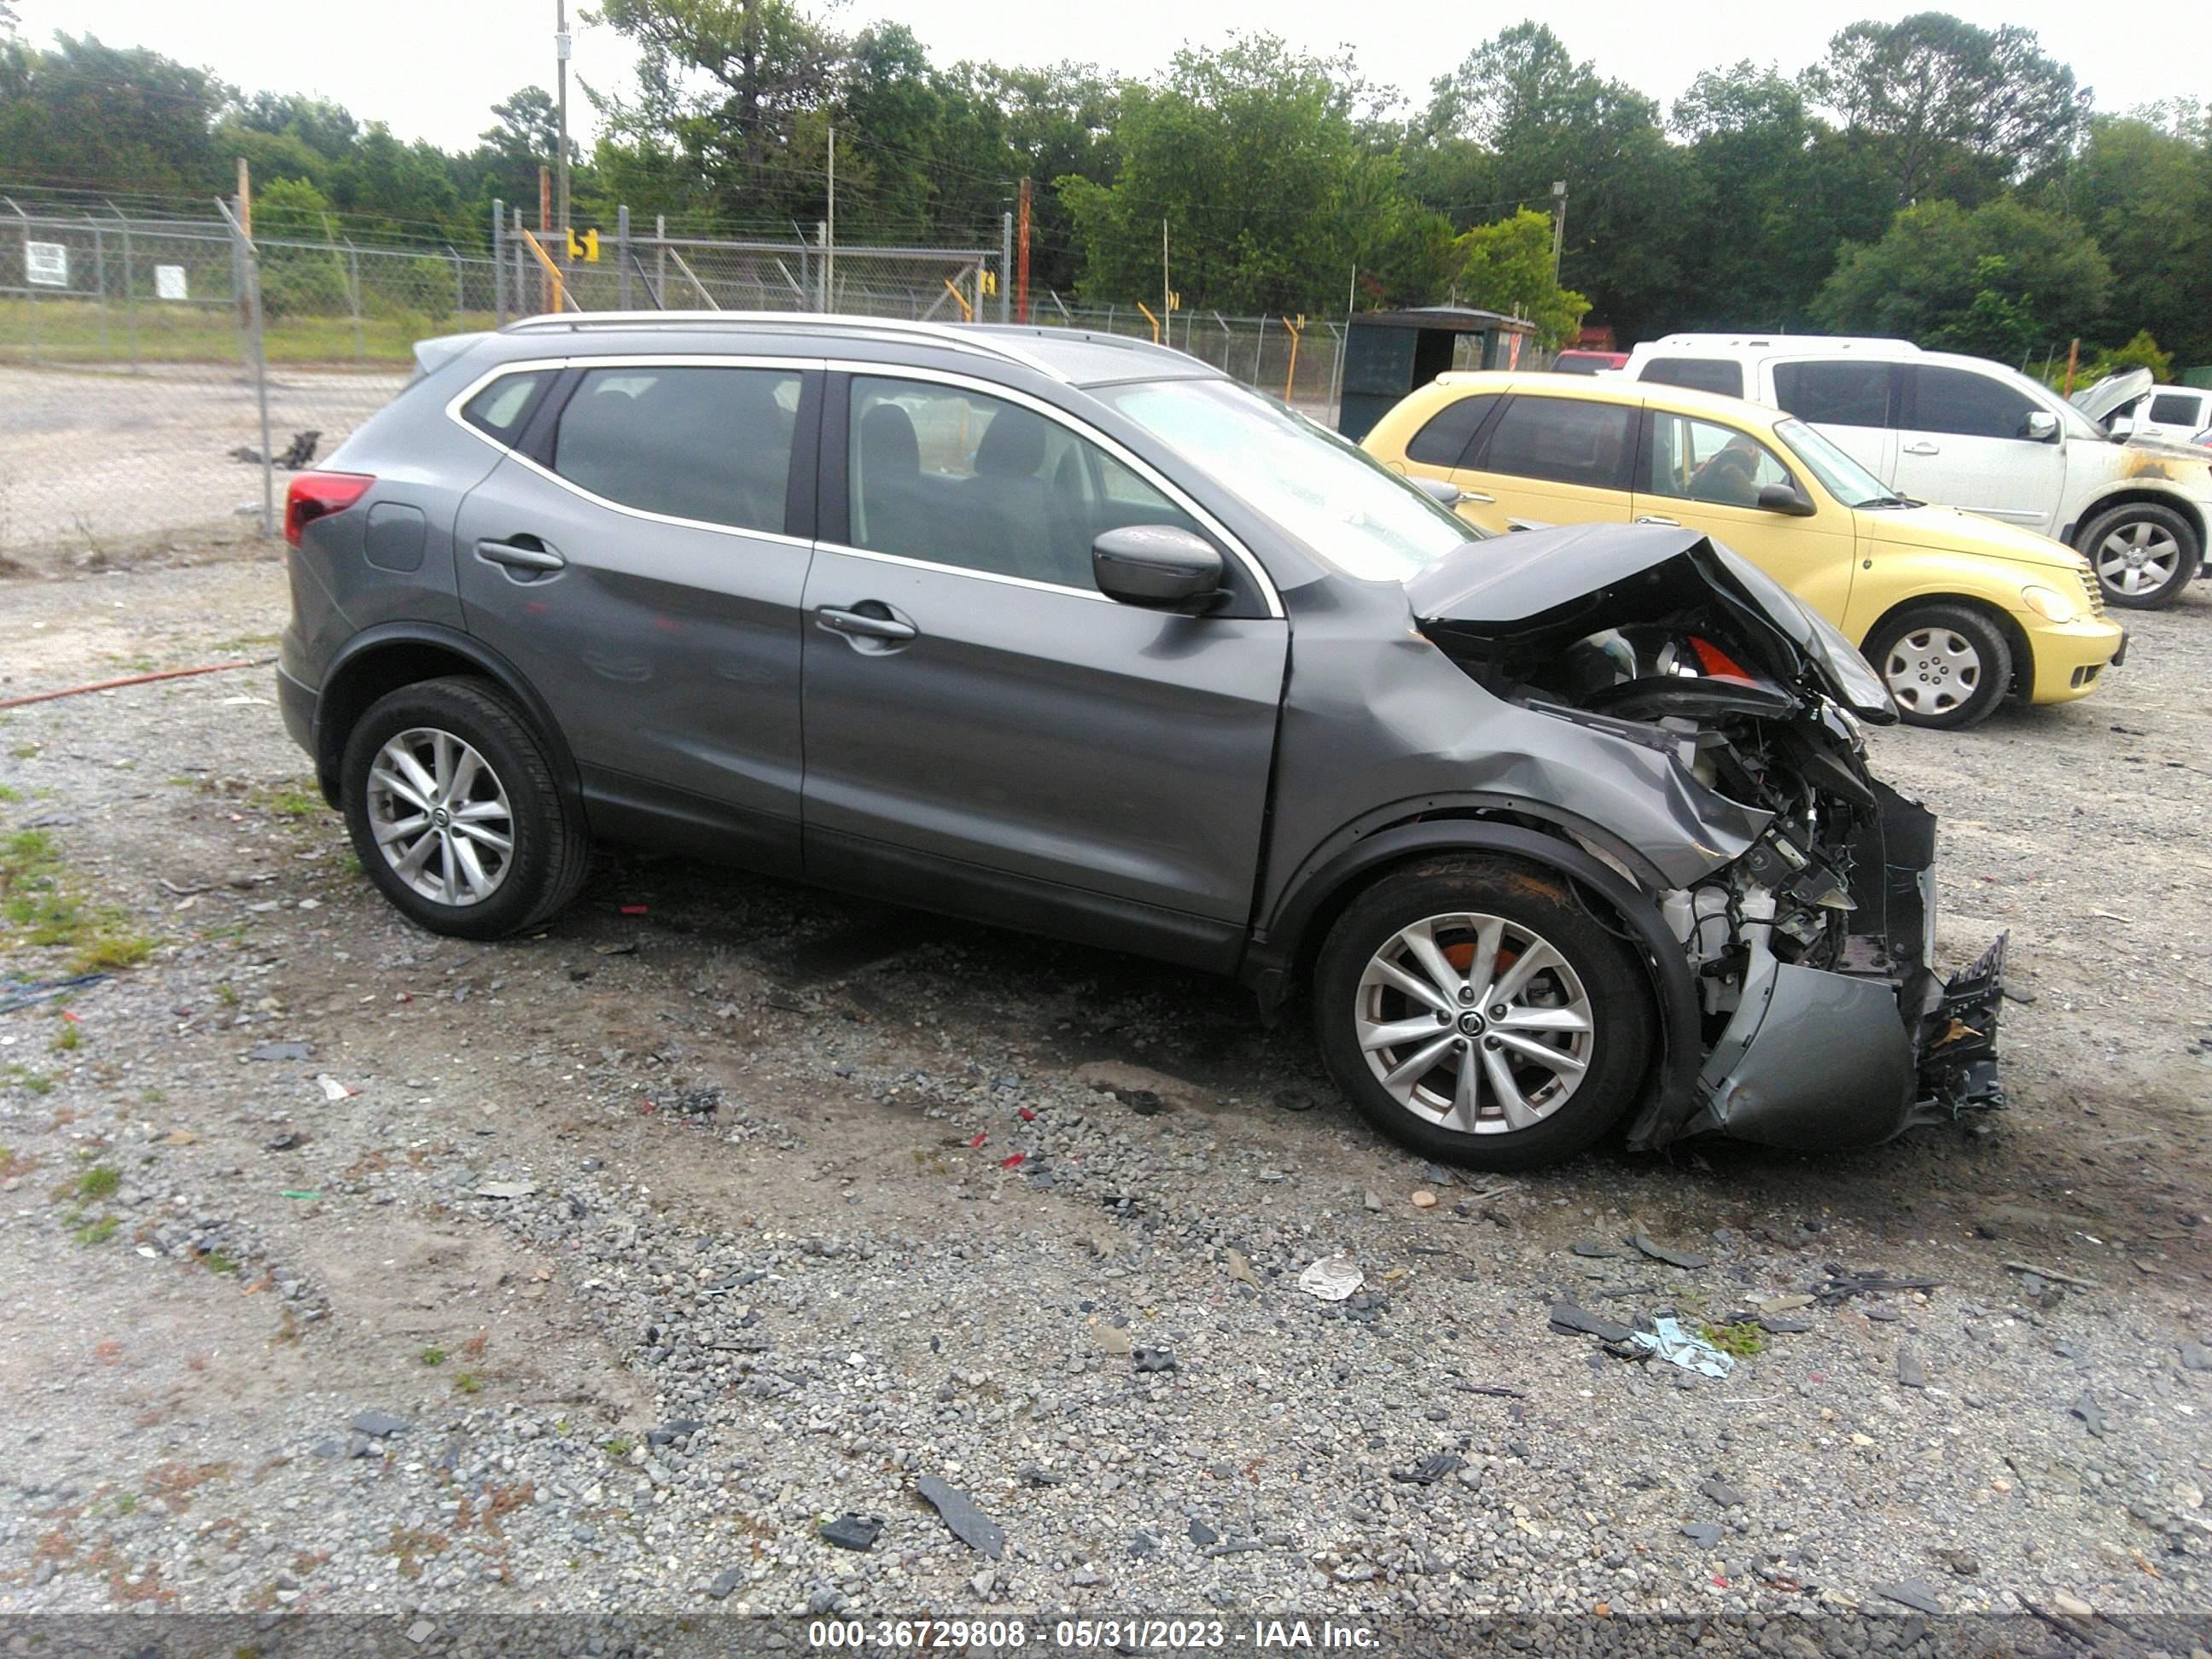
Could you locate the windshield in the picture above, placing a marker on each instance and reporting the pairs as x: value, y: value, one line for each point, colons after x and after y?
x: 1840, y: 475
x: 1345, y: 507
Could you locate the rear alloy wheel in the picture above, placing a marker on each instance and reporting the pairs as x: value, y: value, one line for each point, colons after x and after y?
x: 2144, y: 553
x: 1474, y: 1011
x: 1946, y: 667
x: 454, y: 812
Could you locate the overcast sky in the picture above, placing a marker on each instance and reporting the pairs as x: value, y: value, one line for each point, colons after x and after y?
x: 433, y: 68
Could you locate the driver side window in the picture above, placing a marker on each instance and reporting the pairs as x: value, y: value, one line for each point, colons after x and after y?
x: 1694, y: 460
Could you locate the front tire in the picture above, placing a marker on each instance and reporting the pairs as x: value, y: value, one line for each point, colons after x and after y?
x: 2144, y: 554
x: 1475, y: 1012
x: 1946, y: 666
x: 454, y: 812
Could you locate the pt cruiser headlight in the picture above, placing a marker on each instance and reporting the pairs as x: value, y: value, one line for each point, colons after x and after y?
x: 2049, y: 605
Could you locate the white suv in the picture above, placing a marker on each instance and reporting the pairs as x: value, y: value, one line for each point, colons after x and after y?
x: 1967, y: 432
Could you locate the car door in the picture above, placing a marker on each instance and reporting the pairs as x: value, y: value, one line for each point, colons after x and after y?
x: 988, y: 734
x: 1554, y: 460
x: 1962, y: 441
x: 1706, y: 475
x: 640, y: 556
x: 2171, y: 416
x: 1852, y: 402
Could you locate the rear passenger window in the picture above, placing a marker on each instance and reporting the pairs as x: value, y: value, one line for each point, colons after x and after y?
x: 2174, y: 408
x: 1698, y: 374
x: 503, y: 409
x: 712, y: 445
x: 1566, y: 439
x: 1444, y: 439
x: 1834, y: 394
x: 1971, y: 405
x: 980, y: 484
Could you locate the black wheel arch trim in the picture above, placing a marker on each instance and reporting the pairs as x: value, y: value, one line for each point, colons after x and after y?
x: 1272, y: 957
x: 330, y: 744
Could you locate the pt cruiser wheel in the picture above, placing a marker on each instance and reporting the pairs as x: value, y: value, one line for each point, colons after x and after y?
x: 1476, y: 1012
x: 454, y: 813
x: 1945, y: 665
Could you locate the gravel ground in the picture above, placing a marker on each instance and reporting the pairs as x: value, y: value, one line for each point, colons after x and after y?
x: 93, y: 459
x: 346, y: 1268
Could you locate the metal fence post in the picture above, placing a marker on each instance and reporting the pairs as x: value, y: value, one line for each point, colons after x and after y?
x: 99, y: 284
x: 821, y: 240
x: 514, y: 244
x: 499, y: 262
x: 246, y: 284
x: 30, y: 290
x: 1258, y: 344
x: 129, y: 298
x: 622, y: 257
x: 460, y: 292
x: 352, y: 292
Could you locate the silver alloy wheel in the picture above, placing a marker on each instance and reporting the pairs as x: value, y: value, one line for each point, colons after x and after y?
x: 1931, y: 670
x: 2138, y: 558
x: 1475, y: 1023
x: 440, y: 816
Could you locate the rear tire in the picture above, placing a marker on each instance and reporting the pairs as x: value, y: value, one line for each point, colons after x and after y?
x: 2143, y: 555
x: 1521, y: 1062
x: 1947, y: 666
x: 454, y: 812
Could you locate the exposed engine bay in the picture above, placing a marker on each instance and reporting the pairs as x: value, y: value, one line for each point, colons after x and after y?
x: 1821, y: 1020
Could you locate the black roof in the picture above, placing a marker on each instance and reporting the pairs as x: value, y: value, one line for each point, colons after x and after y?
x: 1458, y: 319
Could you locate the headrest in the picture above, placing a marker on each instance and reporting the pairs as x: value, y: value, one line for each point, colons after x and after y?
x: 1013, y: 446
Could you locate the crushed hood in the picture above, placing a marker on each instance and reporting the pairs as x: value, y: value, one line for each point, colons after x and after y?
x: 2098, y: 399
x: 1494, y: 586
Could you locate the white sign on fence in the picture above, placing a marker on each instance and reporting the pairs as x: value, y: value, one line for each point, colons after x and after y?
x: 46, y: 263
x: 169, y: 282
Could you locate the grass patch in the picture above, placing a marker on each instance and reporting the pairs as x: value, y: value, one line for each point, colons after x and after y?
x: 218, y: 1262
x: 22, y: 1077
x: 101, y: 1181
x: 97, y: 1232
x: 467, y: 1382
x: 9, y: 793
x: 43, y: 907
x: 289, y: 800
x: 620, y: 1447
x: 25, y: 751
x: 1744, y: 1341
x: 68, y: 1038
x: 433, y: 1356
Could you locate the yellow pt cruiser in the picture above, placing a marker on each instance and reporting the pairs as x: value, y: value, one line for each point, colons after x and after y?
x: 1953, y: 610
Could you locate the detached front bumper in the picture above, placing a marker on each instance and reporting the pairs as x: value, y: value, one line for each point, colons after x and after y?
x: 1819, y: 1060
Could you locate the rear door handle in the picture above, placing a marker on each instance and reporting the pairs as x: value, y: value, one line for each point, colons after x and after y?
x: 858, y: 624
x: 1475, y: 495
x: 1654, y: 518
x: 530, y: 555
x: 1922, y: 448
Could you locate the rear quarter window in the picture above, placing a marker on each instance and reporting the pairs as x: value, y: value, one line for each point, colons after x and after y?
x: 503, y: 409
x: 1698, y: 374
x: 1444, y: 440
x: 2177, y: 409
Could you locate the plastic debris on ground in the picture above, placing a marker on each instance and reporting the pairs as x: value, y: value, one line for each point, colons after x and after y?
x: 1670, y: 1342
x: 968, y: 1524
x: 1332, y: 1279
x: 333, y: 1090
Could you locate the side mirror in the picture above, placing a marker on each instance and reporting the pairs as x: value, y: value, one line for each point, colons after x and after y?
x: 1785, y: 498
x: 2042, y: 426
x: 1155, y: 566
x: 1442, y: 491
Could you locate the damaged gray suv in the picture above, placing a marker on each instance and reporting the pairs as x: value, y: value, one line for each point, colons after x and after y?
x: 1557, y: 831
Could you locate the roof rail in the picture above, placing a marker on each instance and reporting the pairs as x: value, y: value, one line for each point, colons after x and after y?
x: 957, y: 336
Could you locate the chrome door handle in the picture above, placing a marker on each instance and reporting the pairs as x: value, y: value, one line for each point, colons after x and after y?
x: 1921, y: 449
x: 1475, y: 495
x: 1654, y: 518
x: 521, y: 556
x: 859, y: 624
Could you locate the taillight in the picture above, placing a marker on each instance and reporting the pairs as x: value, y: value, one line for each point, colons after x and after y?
x: 318, y: 495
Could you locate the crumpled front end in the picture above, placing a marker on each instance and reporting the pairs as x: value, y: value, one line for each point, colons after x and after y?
x: 1822, y: 1022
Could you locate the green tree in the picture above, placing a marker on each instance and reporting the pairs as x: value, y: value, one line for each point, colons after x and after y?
x: 2145, y: 192
x: 1951, y: 108
x: 95, y: 116
x: 1507, y: 267
x: 1254, y: 158
x: 1998, y: 281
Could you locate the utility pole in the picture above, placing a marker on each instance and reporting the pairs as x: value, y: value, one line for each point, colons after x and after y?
x: 1167, y: 317
x: 1558, y: 225
x: 1022, y: 281
x: 245, y: 199
x: 829, y: 236
x: 561, y: 71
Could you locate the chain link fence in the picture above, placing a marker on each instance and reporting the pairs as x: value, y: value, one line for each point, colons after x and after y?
x: 146, y: 396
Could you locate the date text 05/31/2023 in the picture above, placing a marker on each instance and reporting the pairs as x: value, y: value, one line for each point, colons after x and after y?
x: 921, y: 1634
